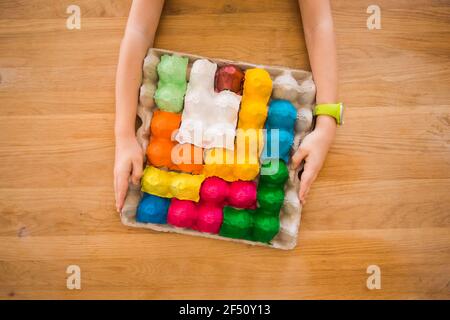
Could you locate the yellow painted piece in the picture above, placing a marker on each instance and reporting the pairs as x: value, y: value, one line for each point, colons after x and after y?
x: 219, y: 162
x: 240, y: 164
x: 168, y: 184
x: 256, y: 95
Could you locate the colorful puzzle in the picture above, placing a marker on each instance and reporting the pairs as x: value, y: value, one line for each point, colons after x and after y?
x: 218, y: 137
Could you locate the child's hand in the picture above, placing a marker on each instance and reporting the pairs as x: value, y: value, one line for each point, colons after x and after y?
x: 313, y: 150
x: 128, y: 163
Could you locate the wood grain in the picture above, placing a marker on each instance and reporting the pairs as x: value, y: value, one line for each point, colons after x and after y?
x: 382, y: 197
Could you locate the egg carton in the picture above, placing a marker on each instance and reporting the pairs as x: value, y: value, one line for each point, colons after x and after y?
x: 294, y: 85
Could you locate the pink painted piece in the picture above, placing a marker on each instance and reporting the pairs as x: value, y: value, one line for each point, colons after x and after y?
x: 242, y: 194
x: 210, y: 218
x: 182, y: 213
x: 214, y: 190
x: 239, y: 194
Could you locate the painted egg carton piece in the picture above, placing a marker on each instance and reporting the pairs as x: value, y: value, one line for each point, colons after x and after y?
x: 293, y: 85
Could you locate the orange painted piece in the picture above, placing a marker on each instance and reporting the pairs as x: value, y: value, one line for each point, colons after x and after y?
x: 163, y: 125
x: 162, y: 150
x: 191, y: 156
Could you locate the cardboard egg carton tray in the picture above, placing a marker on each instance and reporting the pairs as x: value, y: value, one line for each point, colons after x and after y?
x: 294, y: 85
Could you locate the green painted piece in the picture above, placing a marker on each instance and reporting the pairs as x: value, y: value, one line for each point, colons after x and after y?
x: 265, y: 227
x: 279, y: 176
x: 172, y: 84
x: 270, y: 198
x: 236, y: 223
x: 271, y: 187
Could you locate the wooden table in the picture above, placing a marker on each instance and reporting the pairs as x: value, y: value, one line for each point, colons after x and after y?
x: 383, y: 197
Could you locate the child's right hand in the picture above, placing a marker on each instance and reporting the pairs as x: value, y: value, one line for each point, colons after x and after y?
x: 128, y: 164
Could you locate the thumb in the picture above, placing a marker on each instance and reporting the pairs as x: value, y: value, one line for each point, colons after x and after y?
x: 121, y: 188
x: 307, y: 178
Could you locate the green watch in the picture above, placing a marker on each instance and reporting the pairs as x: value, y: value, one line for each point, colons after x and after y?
x: 335, y: 110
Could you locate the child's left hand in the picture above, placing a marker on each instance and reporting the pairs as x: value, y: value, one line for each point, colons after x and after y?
x: 128, y: 166
x: 313, y: 150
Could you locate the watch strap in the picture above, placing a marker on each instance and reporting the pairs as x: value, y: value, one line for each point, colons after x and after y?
x: 330, y: 109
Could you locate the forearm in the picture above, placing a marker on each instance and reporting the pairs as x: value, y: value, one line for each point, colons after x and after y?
x: 128, y: 80
x: 321, y: 44
x: 139, y: 36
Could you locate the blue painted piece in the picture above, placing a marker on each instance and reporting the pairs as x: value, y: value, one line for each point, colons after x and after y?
x: 282, y: 115
x: 152, y: 209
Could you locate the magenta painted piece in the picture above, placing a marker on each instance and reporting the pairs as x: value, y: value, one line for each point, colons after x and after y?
x: 210, y: 218
x: 214, y: 190
x: 242, y: 194
x: 239, y: 194
x: 182, y: 213
x: 203, y: 216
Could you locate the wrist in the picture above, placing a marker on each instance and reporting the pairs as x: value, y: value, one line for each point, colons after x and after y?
x: 326, y: 122
x: 124, y: 135
x: 327, y: 125
x: 122, y: 131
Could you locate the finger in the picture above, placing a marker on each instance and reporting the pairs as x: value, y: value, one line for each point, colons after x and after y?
x: 122, y: 187
x: 116, y: 189
x: 137, y: 172
x: 306, y: 180
x: 304, y: 196
x: 297, y: 158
